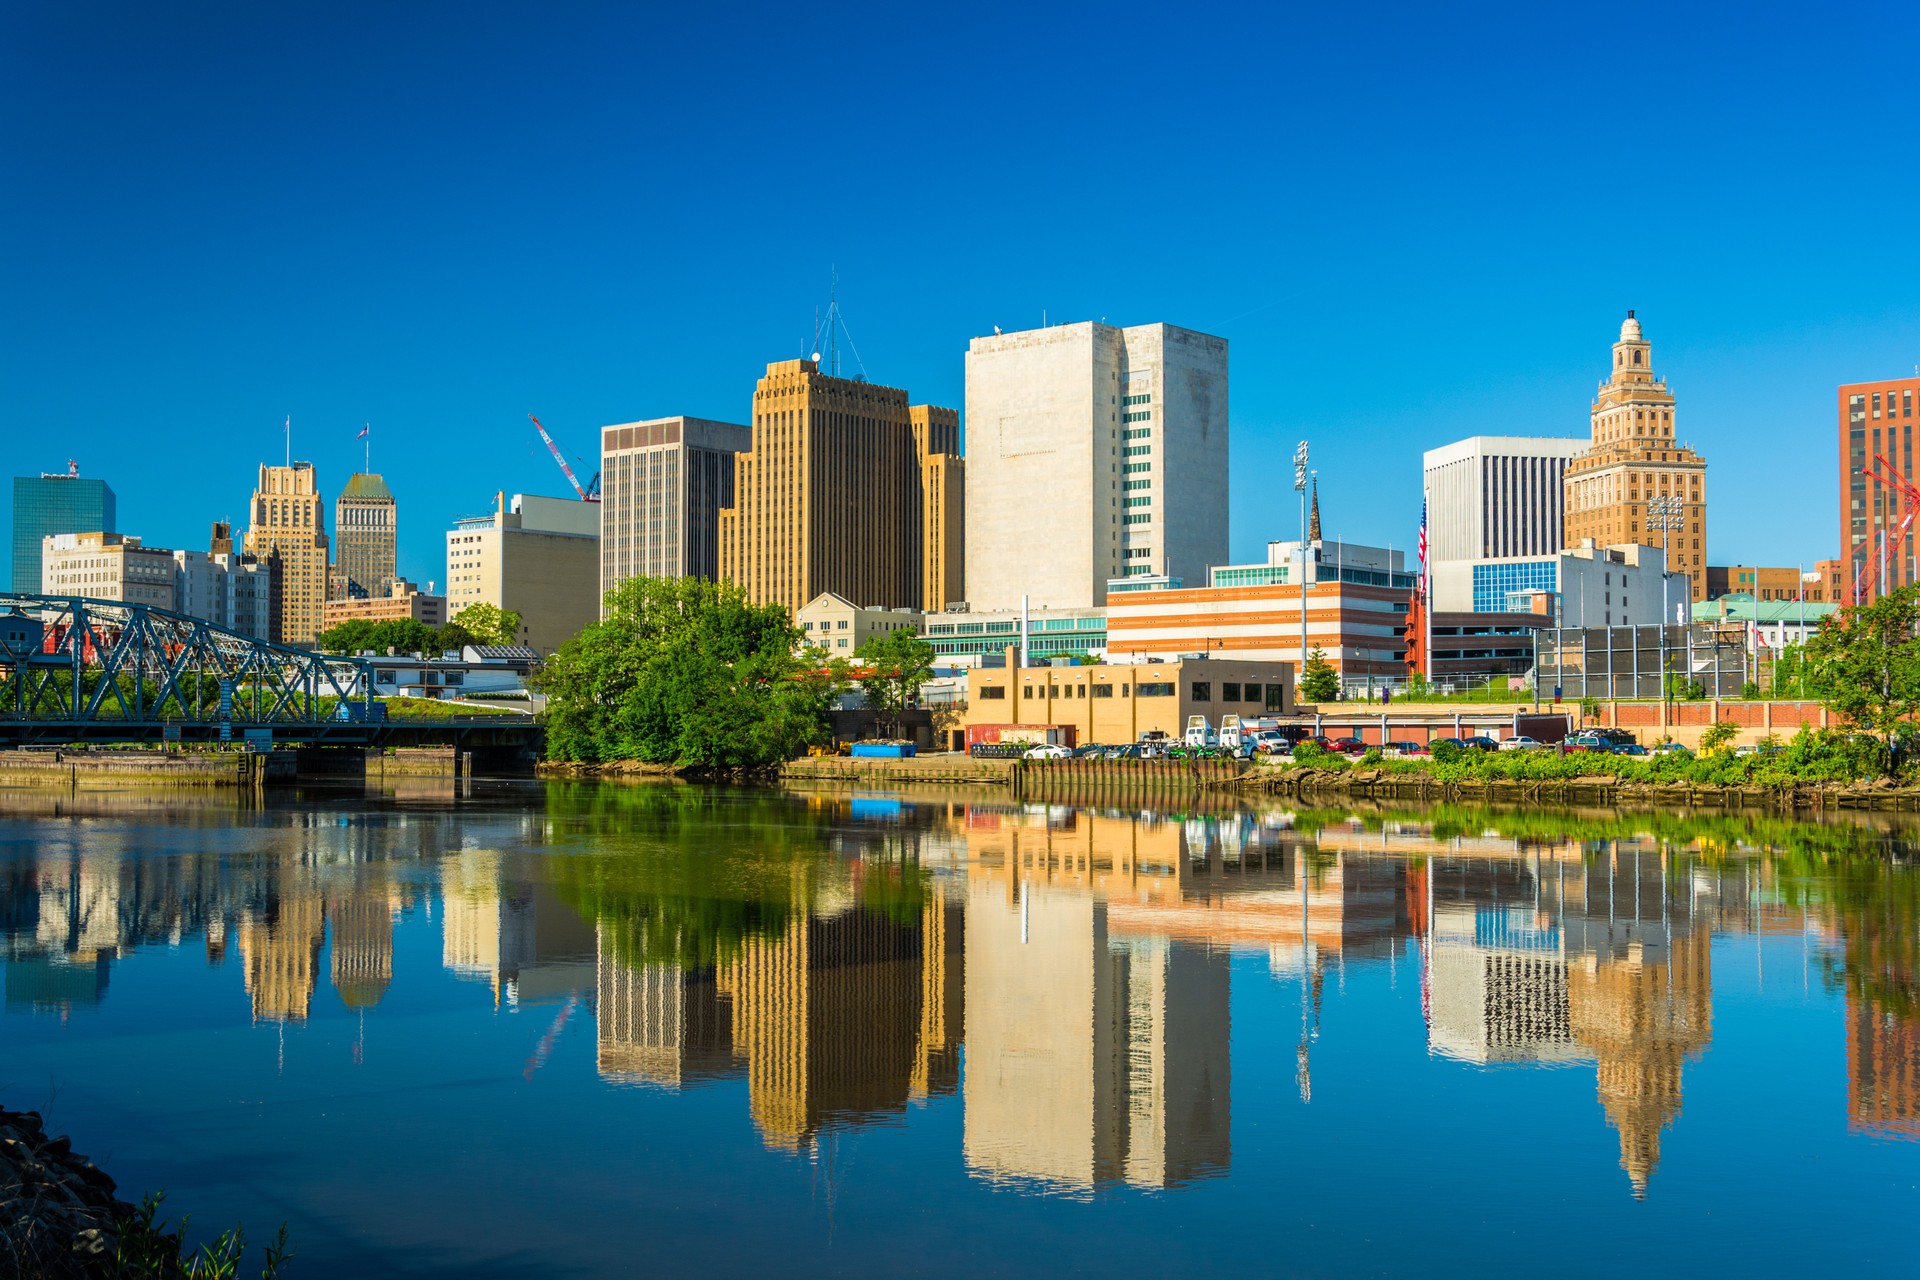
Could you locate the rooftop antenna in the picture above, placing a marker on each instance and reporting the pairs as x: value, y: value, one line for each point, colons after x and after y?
x: 827, y: 328
x: 289, y: 440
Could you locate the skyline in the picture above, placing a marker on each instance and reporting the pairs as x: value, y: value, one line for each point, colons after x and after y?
x: 440, y: 226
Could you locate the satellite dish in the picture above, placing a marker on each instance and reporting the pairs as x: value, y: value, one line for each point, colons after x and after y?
x: 816, y: 357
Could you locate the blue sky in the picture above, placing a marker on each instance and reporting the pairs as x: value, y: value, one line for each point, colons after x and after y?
x: 1412, y: 223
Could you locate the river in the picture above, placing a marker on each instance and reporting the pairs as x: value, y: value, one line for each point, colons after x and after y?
x: 573, y: 1029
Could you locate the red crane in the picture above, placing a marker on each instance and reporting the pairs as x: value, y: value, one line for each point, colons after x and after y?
x: 589, y: 494
x: 1904, y: 489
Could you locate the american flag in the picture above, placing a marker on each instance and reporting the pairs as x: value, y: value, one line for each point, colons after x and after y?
x: 1423, y: 537
x: 363, y: 432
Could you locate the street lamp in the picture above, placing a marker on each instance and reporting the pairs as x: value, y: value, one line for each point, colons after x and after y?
x: 1300, y: 487
x: 1668, y: 515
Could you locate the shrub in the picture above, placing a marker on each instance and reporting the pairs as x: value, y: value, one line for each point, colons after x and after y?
x: 1718, y: 736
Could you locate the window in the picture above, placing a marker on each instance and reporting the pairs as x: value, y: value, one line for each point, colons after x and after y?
x: 841, y: 643
x: 1134, y: 468
x: 1138, y: 415
x: 1203, y: 691
x: 992, y: 692
x: 1136, y: 399
x: 1230, y: 691
x: 1146, y: 518
x: 1102, y: 691
x: 1081, y: 691
x: 1276, y: 695
x: 1253, y: 693
x: 1139, y: 484
x: 1139, y: 502
x: 1139, y: 433
x: 841, y: 625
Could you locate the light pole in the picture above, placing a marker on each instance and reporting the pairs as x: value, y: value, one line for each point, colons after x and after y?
x: 1666, y: 514
x: 1300, y: 487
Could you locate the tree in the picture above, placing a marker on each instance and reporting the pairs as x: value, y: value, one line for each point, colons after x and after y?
x: 1865, y: 663
x: 1716, y: 736
x: 1319, y: 683
x: 350, y: 636
x: 897, y: 663
x: 686, y: 672
x: 489, y: 624
x: 454, y: 636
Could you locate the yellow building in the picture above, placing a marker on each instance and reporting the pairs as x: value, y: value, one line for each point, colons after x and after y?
x: 366, y: 534
x: 1119, y: 702
x: 289, y: 526
x: 406, y: 600
x: 106, y: 566
x: 281, y: 953
x: 830, y: 496
x: 1634, y: 459
x: 943, y: 506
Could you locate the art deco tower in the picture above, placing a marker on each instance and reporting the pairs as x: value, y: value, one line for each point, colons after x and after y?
x: 1635, y: 458
x: 289, y: 521
x: 365, y: 532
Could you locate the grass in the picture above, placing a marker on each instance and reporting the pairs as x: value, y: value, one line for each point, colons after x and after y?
x: 148, y: 1248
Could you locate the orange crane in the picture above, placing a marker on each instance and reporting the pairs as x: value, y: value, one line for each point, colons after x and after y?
x: 589, y: 494
x: 1903, y: 488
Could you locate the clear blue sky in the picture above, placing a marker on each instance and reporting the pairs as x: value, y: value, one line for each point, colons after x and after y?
x: 1412, y: 222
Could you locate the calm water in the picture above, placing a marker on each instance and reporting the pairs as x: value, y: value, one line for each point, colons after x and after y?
x: 569, y: 1030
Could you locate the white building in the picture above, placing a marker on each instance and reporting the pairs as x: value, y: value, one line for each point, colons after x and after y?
x: 1491, y: 496
x: 1590, y: 586
x: 538, y: 557
x: 662, y: 485
x: 837, y: 624
x: 106, y: 566
x: 1093, y: 452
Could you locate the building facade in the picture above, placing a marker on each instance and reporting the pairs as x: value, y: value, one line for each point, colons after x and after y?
x: 538, y: 557
x: 1760, y: 582
x: 366, y: 522
x: 663, y: 483
x: 1111, y: 444
x: 942, y: 499
x: 289, y: 527
x: 1497, y: 496
x: 1118, y: 703
x: 50, y: 504
x: 1050, y: 633
x: 1876, y: 428
x: 1634, y: 459
x: 1827, y: 582
x: 828, y: 497
x: 404, y: 600
x: 841, y: 626
x: 1589, y: 586
x: 106, y: 566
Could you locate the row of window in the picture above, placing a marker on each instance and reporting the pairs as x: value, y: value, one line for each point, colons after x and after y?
x: 1138, y: 415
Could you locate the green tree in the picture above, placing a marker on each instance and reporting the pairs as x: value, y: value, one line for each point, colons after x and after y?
x: 489, y: 624
x: 350, y: 636
x: 1319, y: 683
x: 897, y: 663
x: 1866, y: 664
x: 454, y: 636
x: 685, y: 672
x: 1714, y: 737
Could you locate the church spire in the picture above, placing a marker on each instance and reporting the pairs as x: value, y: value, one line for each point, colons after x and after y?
x: 1313, y: 523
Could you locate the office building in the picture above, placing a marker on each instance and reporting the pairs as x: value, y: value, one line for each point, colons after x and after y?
x: 837, y: 624
x: 1634, y: 459
x: 289, y: 528
x: 1094, y: 453
x: 829, y: 497
x: 1762, y: 583
x: 1356, y: 612
x: 106, y: 566
x: 1118, y: 703
x: 942, y: 499
x: 404, y: 600
x: 1497, y: 496
x: 1876, y: 429
x: 1590, y: 586
x: 1827, y: 582
x: 54, y: 503
x: 365, y: 537
x: 538, y: 557
x: 663, y: 483
x: 973, y: 634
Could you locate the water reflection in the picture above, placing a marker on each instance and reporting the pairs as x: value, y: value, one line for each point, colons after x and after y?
x: 837, y: 955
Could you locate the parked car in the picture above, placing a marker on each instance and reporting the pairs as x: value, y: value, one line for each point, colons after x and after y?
x: 1447, y: 742
x: 1405, y: 751
x: 1757, y: 749
x: 1631, y: 749
x: 1586, y: 740
x: 1091, y: 750
x: 1672, y: 749
x: 1519, y: 742
x: 1483, y: 743
x: 1046, y: 751
x: 1348, y: 746
x: 1324, y: 743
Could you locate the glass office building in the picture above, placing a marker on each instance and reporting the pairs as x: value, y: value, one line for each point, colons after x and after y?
x: 45, y: 505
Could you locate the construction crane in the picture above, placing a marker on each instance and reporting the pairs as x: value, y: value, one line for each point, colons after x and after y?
x: 1904, y: 489
x: 589, y: 494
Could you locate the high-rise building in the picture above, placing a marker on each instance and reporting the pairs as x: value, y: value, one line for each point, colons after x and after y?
x: 289, y: 526
x: 107, y: 566
x: 51, y: 504
x: 537, y: 557
x: 1876, y: 427
x: 943, y: 506
x: 365, y: 536
x: 1634, y: 459
x: 829, y: 496
x: 662, y: 485
x: 1497, y: 496
x: 1096, y: 453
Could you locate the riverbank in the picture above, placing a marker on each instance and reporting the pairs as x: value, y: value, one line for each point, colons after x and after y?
x: 1590, y: 790
x: 60, y: 1215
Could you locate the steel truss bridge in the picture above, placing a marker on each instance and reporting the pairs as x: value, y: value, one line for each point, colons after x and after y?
x: 74, y: 669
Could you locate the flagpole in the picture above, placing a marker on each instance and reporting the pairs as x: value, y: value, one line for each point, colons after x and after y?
x: 366, y: 434
x: 289, y: 440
